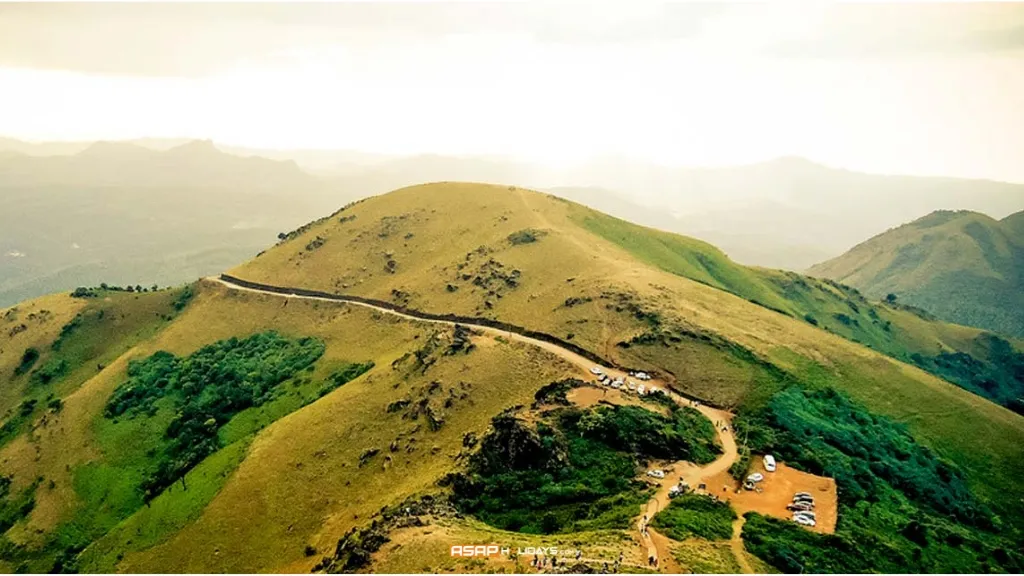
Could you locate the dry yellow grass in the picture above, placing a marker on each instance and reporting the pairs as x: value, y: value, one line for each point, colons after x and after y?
x: 55, y: 443
x: 42, y: 319
x: 427, y: 549
x: 430, y: 230
x: 301, y: 482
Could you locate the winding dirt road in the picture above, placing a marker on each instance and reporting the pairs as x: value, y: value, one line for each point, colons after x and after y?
x: 657, y: 544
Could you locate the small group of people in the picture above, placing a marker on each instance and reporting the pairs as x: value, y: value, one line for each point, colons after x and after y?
x: 615, y: 566
x: 541, y: 562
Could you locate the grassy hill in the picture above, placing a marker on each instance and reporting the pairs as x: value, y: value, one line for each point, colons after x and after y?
x: 205, y: 429
x: 640, y: 296
x: 964, y: 267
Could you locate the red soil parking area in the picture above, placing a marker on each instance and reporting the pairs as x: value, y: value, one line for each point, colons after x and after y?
x: 777, y: 491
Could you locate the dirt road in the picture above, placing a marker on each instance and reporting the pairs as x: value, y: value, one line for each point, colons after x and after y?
x: 657, y: 544
x: 583, y: 364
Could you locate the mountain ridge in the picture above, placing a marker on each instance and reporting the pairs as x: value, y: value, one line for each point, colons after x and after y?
x: 931, y: 261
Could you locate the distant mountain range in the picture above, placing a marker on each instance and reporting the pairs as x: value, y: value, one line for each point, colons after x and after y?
x: 126, y: 214
x: 787, y: 213
x: 964, y: 267
x: 193, y: 164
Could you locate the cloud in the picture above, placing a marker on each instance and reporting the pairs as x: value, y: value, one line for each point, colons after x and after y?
x: 192, y: 40
x: 908, y: 31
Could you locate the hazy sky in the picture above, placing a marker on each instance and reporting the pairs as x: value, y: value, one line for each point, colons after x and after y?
x: 921, y: 89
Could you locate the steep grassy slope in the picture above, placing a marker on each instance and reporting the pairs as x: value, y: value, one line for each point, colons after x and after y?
x: 964, y: 267
x: 627, y: 293
x: 300, y: 479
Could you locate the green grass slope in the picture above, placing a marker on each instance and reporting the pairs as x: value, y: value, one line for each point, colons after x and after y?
x: 214, y: 430
x: 964, y: 267
x: 649, y: 300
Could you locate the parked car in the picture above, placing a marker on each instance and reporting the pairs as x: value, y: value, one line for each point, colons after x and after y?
x: 616, y: 384
x: 748, y: 485
x: 799, y: 506
x: 656, y: 473
x: 769, y: 463
x: 806, y: 499
x: 756, y: 477
x: 632, y: 385
x: 641, y: 389
x: 596, y: 370
x: 806, y: 494
x: 806, y: 514
x: 804, y: 521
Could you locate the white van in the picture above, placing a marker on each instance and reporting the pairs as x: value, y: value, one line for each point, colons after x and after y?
x: 769, y: 463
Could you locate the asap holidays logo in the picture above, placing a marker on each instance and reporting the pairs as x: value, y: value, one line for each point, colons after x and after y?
x: 493, y: 550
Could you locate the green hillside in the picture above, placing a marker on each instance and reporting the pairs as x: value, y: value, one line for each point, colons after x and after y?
x: 964, y: 267
x: 215, y: 429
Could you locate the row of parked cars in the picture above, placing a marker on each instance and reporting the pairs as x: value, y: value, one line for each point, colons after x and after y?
x: 803, y: 509
x: 620, y: 383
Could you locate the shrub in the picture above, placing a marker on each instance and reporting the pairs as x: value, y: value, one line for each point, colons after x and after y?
x: 343, y: 376
x: 186, y: 295
x: 547, y: 480
x: 685, y: 435
x: 28, y: 359
x: 83, y: 292
x: 207, y: 389
x: 696, y: 515
x: 53, y: 370
x: 527, y: 236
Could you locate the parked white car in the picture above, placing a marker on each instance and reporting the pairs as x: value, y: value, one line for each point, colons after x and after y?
x: 632, y: 385
x: 656, y: 473
x: 769, y: 463
x: 804, y: 521
x: 596, y: 370
x: 616, y: 384
x: 641, y: 389
x: 756, y: 477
